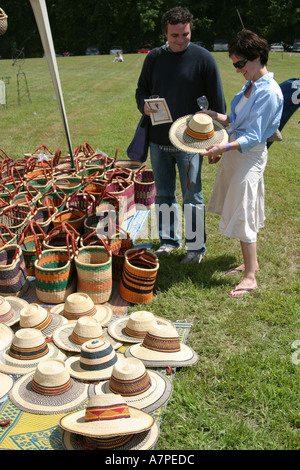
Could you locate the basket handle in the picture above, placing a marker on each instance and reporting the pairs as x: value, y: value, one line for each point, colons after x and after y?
x: 139, y: 255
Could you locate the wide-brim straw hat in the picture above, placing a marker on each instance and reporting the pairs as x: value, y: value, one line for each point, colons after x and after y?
x: 193, y: 133
x: 27, y: 349
x: 145, y: 440
x: 107, y: 416
x: 10, y: 308
x: 6, y: 383
x: 147, y: 390
x: 80, y: 304
x: 48, y: 390
x: 36, y: 316
x: 71, y: 336
x: 6, y: 336
x: 133, y: 329
x: 162, y: 348
x: 95, y: 362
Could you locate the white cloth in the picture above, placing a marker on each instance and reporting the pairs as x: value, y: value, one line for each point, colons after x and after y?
x: 238, y: 194
x: 2, y: 93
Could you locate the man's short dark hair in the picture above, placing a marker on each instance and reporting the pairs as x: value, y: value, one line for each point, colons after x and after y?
x: 176, y: 15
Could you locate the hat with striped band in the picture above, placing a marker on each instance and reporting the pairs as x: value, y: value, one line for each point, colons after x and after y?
x: 6, y: 336
x: 79, y: 305
x: 144, y: 440
x: 194, y: 133
x: 107, y: 416
x: 96, y: 361
x: 161, y: 348
x: 6, y: 383
x: 27, y: 349
x: 36, y: 316
x: 48, y: 390
x: 144, y: 389
x: 71, y: 336
x: 10, y: 308
x: 133, y: 329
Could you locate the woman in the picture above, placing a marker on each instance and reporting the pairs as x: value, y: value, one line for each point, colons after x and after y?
x: 238, y: 193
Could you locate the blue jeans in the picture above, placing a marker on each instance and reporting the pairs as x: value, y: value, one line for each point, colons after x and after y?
x: 164, y: 161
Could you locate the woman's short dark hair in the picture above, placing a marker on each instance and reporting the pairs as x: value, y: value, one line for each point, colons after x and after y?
x: 249, y: 45
x: 176, y: 15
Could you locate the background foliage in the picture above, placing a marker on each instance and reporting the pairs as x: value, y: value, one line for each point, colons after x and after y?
x: 132, y: 23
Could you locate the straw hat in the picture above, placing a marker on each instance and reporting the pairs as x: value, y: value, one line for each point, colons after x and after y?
x: 6, y: 383
x: 71, y: 336
x: 161, y: 348
x: 145, y: 440
x: 36, y: 316
x: 80, y: 304
x: 133, y: 329
x: 27, y: 349
x: 6, y: 336
x: 96, y: 361
x: 10, y: 308
x: 144, y: 389
x: 48, y: 390
x: 194, y: 133
x: 107, y: 416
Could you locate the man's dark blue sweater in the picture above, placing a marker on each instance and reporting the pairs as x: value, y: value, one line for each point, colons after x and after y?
x: 180, y: 78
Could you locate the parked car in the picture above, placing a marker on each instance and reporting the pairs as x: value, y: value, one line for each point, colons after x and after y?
x: 296, y: 45
x: 92, y: 50
x: 276, y: 48
x: 220, y: 45
x: 144, y: 49
x: 115, y: 49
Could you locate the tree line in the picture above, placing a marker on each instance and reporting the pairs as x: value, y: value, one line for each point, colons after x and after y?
x: 78, y: 24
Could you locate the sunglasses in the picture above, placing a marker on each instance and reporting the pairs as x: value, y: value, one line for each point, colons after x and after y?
x: 240, y: 63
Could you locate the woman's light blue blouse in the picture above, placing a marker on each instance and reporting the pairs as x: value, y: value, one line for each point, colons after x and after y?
x: 260, y: 116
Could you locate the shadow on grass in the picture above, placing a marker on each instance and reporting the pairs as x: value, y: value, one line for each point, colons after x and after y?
x: 209, y: 273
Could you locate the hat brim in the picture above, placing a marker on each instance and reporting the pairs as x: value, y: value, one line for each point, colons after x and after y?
x: 103, y: 314
x: 75, y: 370
x: 154, y: 398
x: 22, y: 396
x: 6, y: 383
x: 17, y: 305
x: 62, y: 338
x: 185, y: 357
x: 145, y: 440
x: 181, y: 140
x: 139, y: 421
x: 116, y: 329
x: 9, y: 365
x: 6, y: 336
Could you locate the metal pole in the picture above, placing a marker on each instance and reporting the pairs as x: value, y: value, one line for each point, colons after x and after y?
x: 41, y: 16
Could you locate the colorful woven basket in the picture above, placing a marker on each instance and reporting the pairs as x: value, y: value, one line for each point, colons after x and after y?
x: 55, y: 276
x: 144, y: 188
x: 139, y: 276
x: 119, y: 243
x: 94, y: 272
x: 123, y: 190
x: 13, y: 274
x: 31, y: 243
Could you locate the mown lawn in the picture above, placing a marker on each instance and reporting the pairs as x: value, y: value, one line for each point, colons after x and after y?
x: 244, y: 391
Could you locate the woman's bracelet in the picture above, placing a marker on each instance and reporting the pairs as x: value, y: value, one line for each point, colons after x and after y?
x: 227, y: 147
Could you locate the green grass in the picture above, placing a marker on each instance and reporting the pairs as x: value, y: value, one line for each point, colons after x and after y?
x: 244, y: 391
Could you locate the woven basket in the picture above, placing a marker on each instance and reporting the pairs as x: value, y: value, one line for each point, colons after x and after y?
x: 44, y: 215
x: 82, y: 200
x: 132, y: 165
x: 139, y: 276
x: 16, y: 218
x: 31, y: 243
x: 123, y: 190
x: 13, y: 274
x: 119, y: 243
x: 144, y: 188
x: 7, y: 237
x: 73, y: 216
x: 3, y: 22
x: 55, y: 276
x: 94, y: 272
x: 63, y: 235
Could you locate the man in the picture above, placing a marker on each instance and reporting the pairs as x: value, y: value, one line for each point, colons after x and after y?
x: 180, y: 72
